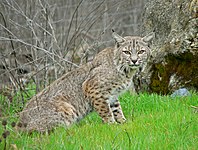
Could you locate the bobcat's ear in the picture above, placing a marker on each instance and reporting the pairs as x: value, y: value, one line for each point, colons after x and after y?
x: 117, y: 37
x: 148, y: 37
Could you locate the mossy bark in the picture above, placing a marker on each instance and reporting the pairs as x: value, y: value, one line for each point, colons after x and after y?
x: 174, y: 60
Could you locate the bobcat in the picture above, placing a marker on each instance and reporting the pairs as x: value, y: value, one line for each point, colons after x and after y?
x: 93, y: 86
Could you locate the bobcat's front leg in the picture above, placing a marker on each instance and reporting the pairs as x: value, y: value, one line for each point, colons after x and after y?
x: 117, y: 112
x: 99, y: 100
x: 103, y: 109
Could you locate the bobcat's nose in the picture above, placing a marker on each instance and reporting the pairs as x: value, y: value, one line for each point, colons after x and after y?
x: 134, y: 60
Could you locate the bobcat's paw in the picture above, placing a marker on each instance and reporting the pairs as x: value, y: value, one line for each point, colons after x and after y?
x: 121, y: 120
x: 109, y: 120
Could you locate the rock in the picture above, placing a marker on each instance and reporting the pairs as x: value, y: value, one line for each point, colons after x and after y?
x: 174, y: 61
x: 181, y: 93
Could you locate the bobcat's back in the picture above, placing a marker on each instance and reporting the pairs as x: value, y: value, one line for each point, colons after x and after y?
x: 61, y: 102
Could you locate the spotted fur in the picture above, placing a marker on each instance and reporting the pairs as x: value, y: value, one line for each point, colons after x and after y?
x: 93, y: 86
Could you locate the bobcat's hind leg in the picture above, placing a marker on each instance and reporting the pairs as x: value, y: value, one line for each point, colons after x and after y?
x: 117, y: 112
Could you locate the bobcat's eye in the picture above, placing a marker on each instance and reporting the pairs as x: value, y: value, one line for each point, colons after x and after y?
x: 127, y: 52
x: 141, y: 51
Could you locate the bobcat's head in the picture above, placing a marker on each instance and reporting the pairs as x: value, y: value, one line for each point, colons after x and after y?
x: 131, y: 51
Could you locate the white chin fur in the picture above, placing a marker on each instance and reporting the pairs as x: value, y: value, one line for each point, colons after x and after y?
x: 134, y: 67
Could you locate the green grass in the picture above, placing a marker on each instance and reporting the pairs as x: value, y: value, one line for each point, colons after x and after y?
x: 153, y: 122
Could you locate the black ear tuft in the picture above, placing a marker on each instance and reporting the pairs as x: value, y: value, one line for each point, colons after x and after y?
x: 117, y: 37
